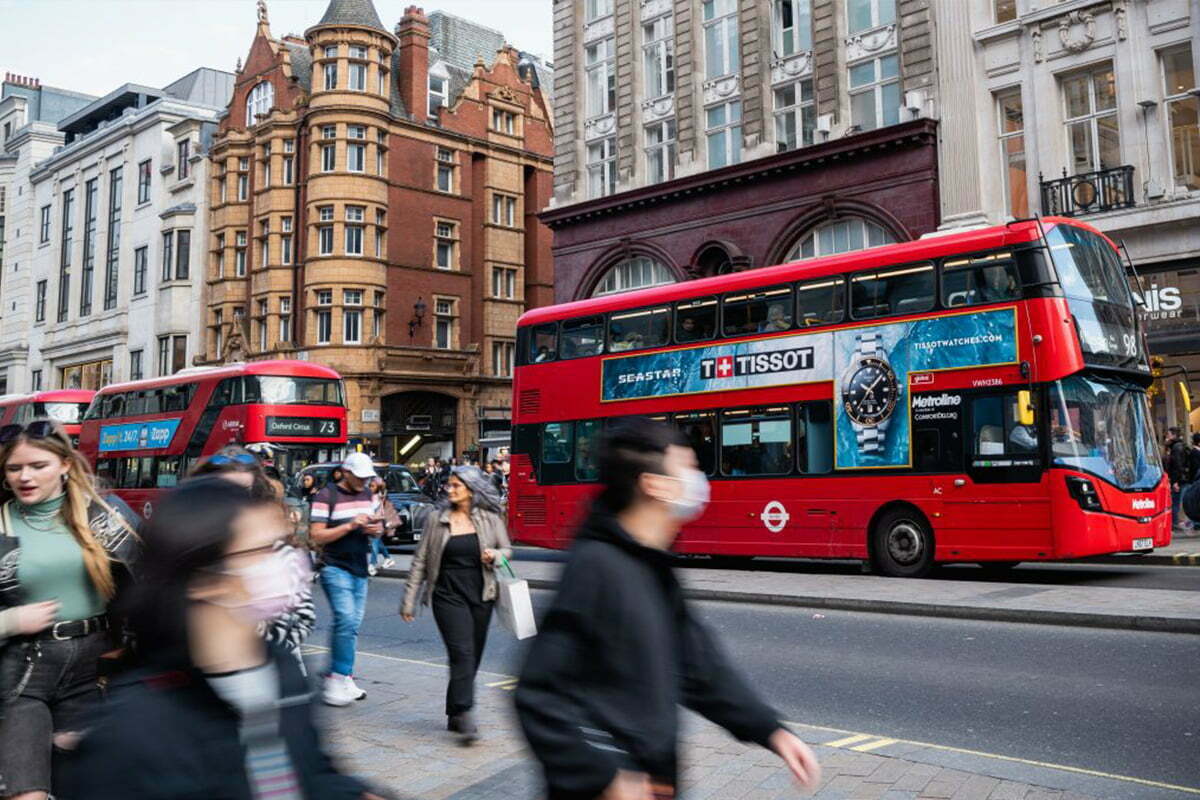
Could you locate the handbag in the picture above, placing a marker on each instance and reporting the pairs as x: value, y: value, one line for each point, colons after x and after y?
x: 18, y: 654
x: 514, y: 603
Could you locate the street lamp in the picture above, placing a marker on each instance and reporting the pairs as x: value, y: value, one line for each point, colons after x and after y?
x: 418, y: 317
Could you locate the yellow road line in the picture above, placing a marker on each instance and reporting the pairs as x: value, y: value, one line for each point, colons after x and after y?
x: 858, y: 737
x: 863, y: 748
x: 508, y: 684
x: 1012, y: 759
x: 318, y: 649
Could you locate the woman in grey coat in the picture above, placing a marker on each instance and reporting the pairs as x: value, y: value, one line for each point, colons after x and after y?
x: 453, y: 570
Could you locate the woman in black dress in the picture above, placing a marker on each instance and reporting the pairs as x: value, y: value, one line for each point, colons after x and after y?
x: 453, y: 571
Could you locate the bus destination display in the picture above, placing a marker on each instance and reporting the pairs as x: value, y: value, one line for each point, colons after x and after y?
x: 303, y: 426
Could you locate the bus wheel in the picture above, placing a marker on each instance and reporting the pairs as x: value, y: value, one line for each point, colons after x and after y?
x: 902, y: 544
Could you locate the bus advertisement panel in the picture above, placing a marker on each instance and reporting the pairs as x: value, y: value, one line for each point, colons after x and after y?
x: 970, y: 397
x: 143, y: 437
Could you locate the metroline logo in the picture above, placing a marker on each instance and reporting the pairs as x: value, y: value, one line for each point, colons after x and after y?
x: 936, y: 401
x: 1143, y: 504
x: 788, y: 360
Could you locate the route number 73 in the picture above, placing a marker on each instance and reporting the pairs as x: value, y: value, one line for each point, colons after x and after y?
x: 327, y: 427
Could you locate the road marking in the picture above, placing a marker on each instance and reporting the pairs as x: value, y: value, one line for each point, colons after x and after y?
x: 858, y: 737
x: 505, y: 685
x: 1190, y: 559
x: 997, y: 756
x: 313, y: 649
x: 863, y: 748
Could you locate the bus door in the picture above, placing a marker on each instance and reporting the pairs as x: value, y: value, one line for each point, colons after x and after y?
x: 998, y: 502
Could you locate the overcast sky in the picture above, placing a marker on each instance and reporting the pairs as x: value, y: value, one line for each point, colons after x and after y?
x: 94, y: 46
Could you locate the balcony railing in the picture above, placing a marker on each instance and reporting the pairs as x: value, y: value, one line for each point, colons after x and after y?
x: 1088, y: 193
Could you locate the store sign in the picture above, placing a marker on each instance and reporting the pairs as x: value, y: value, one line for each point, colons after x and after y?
x: 302, y: 426
x: 1169, y: 302
x: 138, y: 435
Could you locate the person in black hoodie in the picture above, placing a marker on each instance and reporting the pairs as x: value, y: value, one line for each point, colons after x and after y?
x: 216, y: 712
x: 619, y: 649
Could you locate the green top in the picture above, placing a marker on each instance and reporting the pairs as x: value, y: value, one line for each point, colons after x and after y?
x: 51, y: 563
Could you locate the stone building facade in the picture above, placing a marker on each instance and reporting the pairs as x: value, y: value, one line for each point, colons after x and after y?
x: 694, y: 137
x: 105, y: 275
x: 1088, y: 108
x: 373, y: 204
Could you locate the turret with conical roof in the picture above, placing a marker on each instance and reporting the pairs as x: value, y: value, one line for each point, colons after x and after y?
x: 360, y: 13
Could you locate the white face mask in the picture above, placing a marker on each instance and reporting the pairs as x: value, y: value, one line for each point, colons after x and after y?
x: 274, y: 585
x: 694, y: 498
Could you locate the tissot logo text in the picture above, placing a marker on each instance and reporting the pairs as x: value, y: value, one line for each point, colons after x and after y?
x: 936, y: 400
x: 1143, y: 504
x: 793, y: 358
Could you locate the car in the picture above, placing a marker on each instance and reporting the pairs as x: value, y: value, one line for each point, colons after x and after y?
x: 411, y: 504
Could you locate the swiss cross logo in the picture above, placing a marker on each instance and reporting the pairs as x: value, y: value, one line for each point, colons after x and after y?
x: 725, y: 367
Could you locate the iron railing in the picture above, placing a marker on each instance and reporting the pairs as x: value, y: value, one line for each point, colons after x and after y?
x: 1088, y: 193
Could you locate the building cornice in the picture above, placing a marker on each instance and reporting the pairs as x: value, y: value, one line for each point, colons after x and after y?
x: 918, y: 133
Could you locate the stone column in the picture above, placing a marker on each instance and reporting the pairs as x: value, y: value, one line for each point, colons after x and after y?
x: 959, y: 172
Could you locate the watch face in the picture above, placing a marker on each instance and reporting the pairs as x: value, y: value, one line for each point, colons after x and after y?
x: 870, y: 394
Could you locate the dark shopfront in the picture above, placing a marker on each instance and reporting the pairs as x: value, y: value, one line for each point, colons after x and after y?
x: 866, y: 189
x: 1170, y: 301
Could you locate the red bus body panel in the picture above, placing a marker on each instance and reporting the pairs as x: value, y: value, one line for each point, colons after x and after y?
x: 829, y: 516
x: 12, y: 404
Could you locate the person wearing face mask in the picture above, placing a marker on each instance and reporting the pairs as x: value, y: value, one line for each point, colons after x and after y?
x: 343, y: 520
x: 215, y: 711
x: 65, y: 558
x: 452, y: 570
x: 619, y: 649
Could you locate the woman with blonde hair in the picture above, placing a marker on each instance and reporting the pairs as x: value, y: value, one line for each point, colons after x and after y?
x: 64, y: 545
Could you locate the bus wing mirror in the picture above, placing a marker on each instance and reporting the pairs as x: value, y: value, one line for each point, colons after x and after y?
x: 1025, y: 407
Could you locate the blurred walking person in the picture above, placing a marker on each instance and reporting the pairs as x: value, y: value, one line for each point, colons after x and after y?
x: 452, y: 570
x: 390, y: 518
x: 216, y: 712
x: 343, y: 521
x: 66, y: 557
x: 619, y: 649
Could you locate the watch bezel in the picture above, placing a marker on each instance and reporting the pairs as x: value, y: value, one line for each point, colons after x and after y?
x: 886, y: 412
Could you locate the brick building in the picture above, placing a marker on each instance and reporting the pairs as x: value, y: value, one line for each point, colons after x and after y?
x: 696, y: 137
x: 373, y: 206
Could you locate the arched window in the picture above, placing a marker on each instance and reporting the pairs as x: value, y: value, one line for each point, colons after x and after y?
x: 840, y: 236
x: 633, y: 273
x: 260, y: 100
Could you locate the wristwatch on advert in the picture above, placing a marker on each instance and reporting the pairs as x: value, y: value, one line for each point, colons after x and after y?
x: 870, y: 391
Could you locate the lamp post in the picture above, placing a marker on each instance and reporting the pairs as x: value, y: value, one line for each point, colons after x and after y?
x: 418, y: 317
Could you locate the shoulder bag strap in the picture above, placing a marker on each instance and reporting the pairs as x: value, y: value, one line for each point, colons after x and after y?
x: 5, y: 522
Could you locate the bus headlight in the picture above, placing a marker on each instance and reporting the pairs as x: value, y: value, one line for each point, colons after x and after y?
x: 1084, y: 492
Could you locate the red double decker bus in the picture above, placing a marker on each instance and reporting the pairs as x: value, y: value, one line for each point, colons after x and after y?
x: 142, y: 437
x: 62, y: 405
x: 970, y: 397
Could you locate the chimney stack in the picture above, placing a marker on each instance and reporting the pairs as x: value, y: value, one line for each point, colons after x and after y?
x: 413, y: 33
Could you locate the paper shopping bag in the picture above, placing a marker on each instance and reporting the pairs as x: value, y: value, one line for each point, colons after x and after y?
x: 514, y: 604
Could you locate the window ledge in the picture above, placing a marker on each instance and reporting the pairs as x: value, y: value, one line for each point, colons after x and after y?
x: 186, y: 183
x: 175, y: 283
x: 142, y: 205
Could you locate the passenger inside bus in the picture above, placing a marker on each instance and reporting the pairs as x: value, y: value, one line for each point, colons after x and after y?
x: 777, y: 319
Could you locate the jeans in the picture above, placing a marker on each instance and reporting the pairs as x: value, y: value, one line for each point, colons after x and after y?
x: 1177, y: 517
x: 378, y: 552
x: 347, y: 596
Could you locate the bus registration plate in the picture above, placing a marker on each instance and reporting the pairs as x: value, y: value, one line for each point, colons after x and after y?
x: 1143, y: 544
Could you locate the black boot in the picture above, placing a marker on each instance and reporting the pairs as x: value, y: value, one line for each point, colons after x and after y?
x: 468, y: 731
x: 453, y: 723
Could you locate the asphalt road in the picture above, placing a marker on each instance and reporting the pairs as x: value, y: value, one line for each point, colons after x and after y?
x: 1115, y: 701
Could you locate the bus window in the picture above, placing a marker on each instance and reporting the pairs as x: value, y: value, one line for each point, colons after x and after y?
x: 543, y: 345
x: 700, y: 430
x: 757, y: 312
x: 972, y: 281
x: 756, y: 441
x: 695, y: 320
x: 996, y: 427
x: 634, y: 330
x: 586, y: 435
x: 583, y: 337
x: 821, y: 302
x: 556, y: 443
x: 904, y: 290
x: 814, y: 437
x: 168, y: 472
x: 281, y: 389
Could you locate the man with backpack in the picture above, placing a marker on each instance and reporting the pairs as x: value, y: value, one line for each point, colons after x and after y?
x: 620, y: 650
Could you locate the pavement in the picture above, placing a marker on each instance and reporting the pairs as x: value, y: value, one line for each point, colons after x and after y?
x: 396, y: 740
x: 1143, y: 609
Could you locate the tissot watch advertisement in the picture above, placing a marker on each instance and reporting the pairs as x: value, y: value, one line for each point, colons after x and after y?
x: 871, y: 394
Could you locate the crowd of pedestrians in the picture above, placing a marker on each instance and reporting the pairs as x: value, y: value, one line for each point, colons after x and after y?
x: 163, y: 658
x: 1182, y: 460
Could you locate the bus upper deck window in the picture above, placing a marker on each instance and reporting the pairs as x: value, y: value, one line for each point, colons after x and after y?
x: 695, y: 320
x: 543, y: 345
x: 903, y: 290
x: 583, y: 337
x: 763, y: 311
x: 634, y: 330
x: 986, y: 279
x: 821, y: 302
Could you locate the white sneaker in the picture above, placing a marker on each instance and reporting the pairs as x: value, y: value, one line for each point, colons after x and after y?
x: 388, y: 563
x: 355, y: 692
x: 372, y: 570
x: 337, y: 691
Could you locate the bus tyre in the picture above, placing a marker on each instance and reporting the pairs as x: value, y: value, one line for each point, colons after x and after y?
x: 902, y: 544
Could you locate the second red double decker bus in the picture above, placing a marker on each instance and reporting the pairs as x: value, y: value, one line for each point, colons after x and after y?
x: 970, y: 397
x: 66, y: 406
x: 142, y: 437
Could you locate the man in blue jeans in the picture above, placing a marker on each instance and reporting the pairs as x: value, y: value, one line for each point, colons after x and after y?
x: 341, y: 520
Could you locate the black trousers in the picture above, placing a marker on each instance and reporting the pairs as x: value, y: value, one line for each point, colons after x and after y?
x: 464, y: 628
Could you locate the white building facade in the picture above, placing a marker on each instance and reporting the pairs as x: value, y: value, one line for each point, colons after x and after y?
x: 111, y: 273
x: 1086, y: 108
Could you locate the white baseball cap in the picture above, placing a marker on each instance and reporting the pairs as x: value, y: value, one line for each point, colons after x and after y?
x: 359, y: 465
